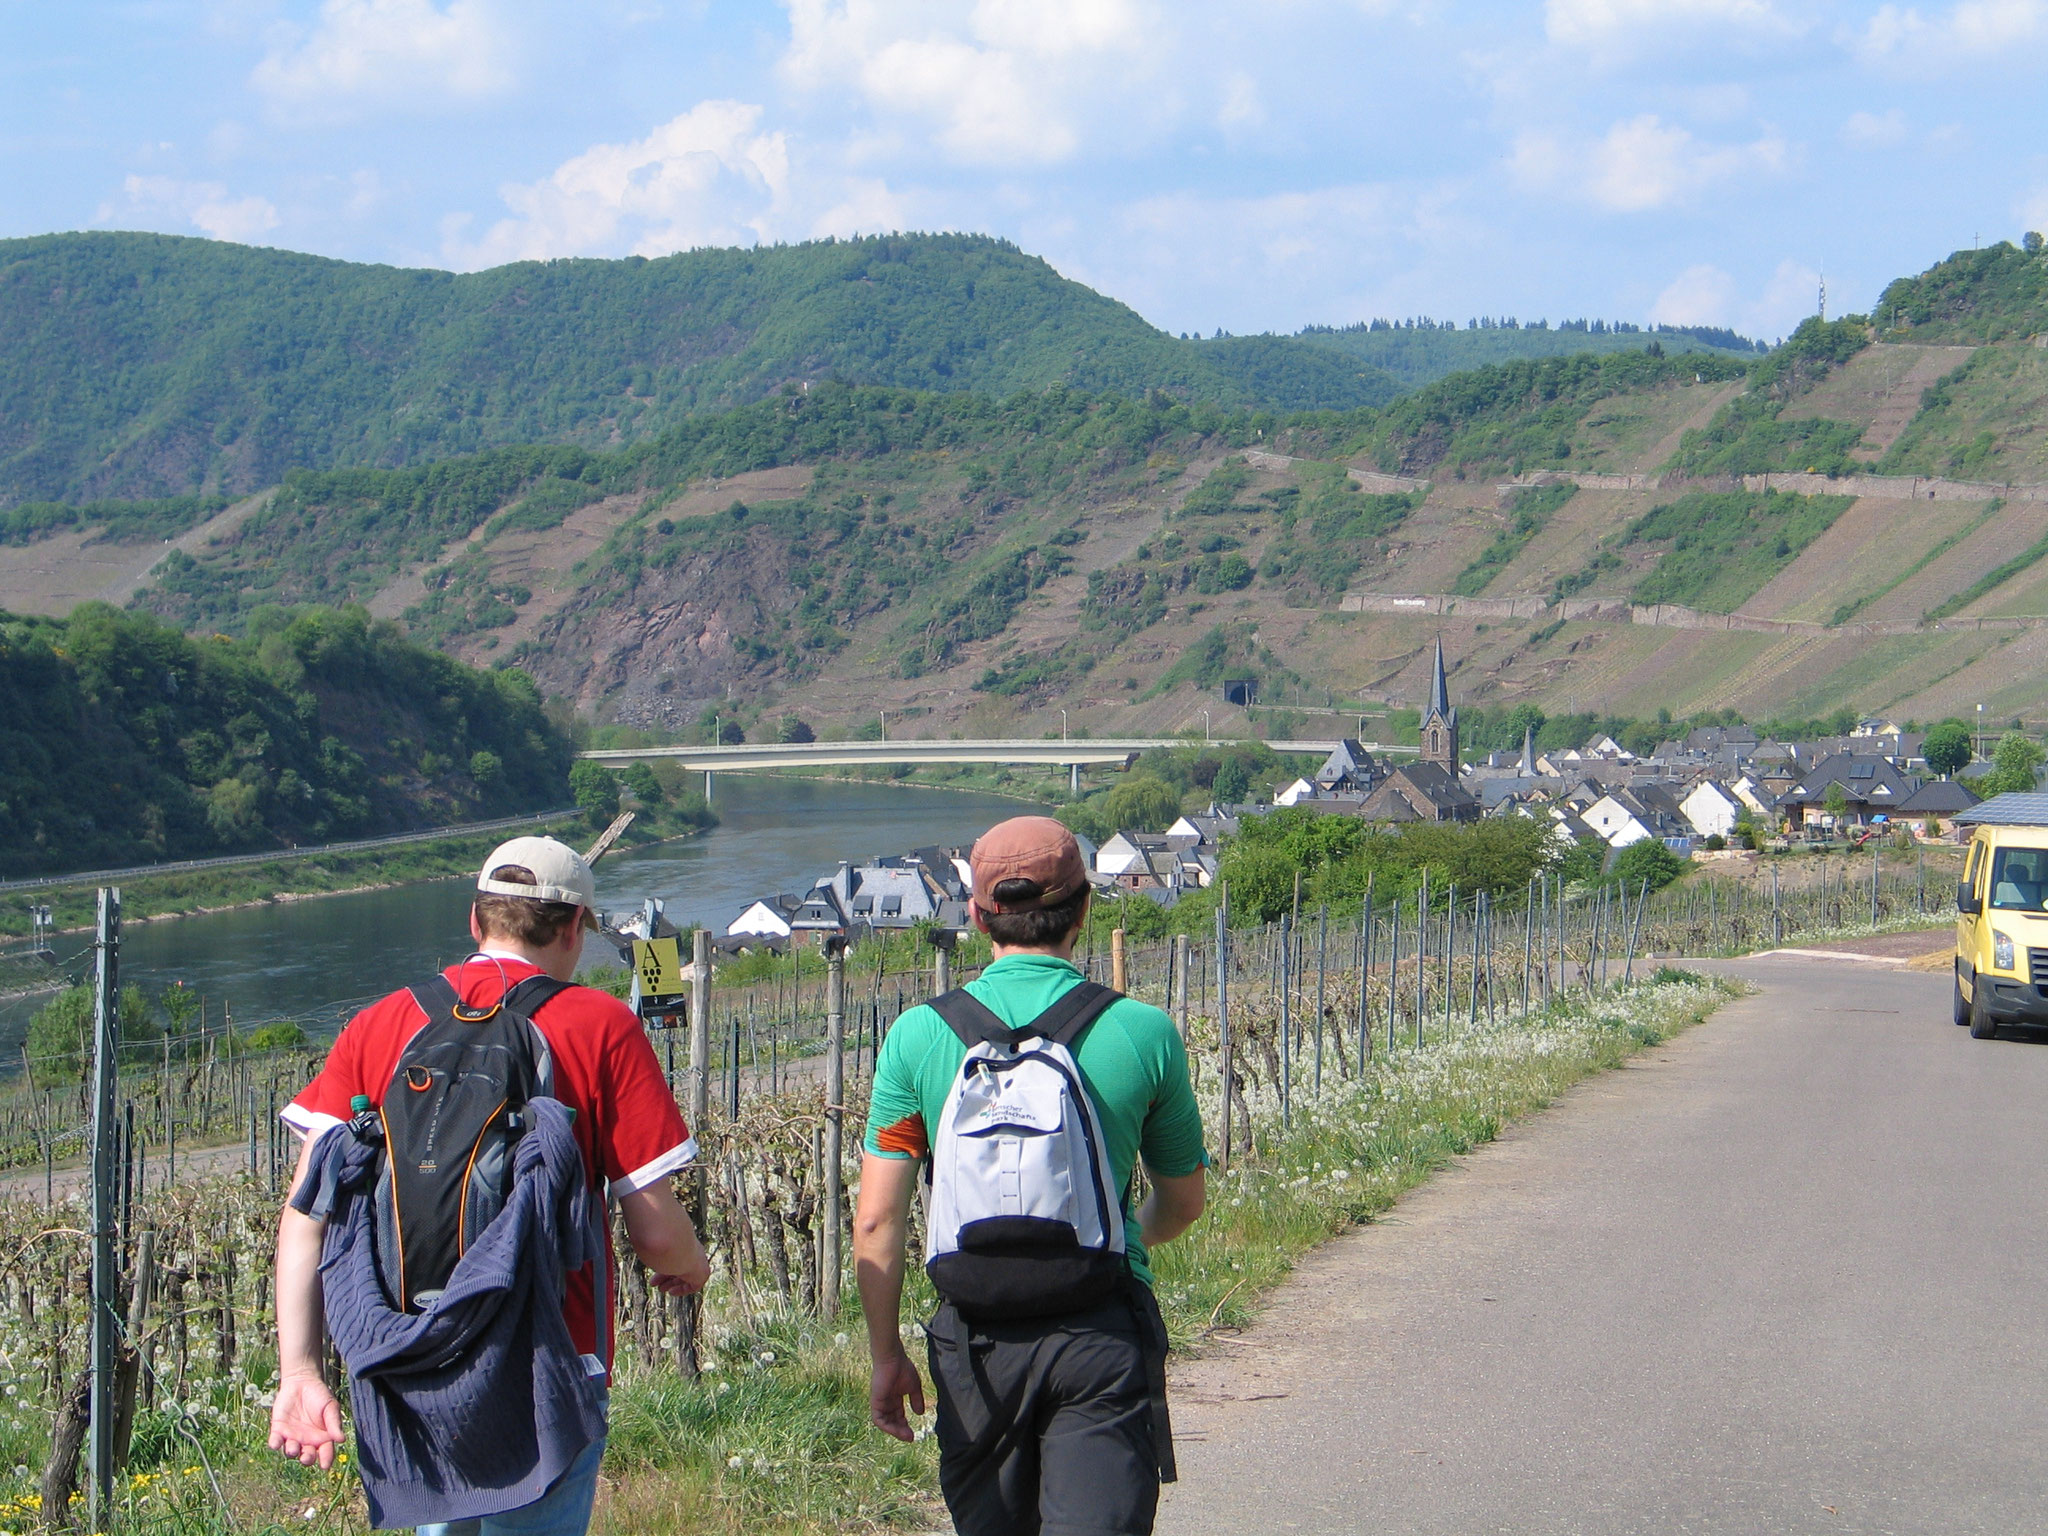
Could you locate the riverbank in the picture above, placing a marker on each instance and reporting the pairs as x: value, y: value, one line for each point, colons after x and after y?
x: 206, y: 892
x: 963, y: 778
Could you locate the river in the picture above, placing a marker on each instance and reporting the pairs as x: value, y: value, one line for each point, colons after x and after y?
x: 317, y: 959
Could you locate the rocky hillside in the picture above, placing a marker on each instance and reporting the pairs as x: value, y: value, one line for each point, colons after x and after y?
x: 1844, y: 523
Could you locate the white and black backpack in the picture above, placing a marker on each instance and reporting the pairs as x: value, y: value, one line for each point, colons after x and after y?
x: 1023, y: 1218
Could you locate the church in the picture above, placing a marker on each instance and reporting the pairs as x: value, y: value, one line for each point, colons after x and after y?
x: 1428, y: 789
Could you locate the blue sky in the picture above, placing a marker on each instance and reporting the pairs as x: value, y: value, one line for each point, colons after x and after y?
x: 1248, y: 166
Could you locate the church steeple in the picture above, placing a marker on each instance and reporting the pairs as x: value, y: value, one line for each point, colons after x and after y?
x: 1528, y: 751
x: 1439, y: 720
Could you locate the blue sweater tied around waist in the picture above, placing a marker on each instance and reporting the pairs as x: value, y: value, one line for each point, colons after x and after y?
x: 478, y: 1404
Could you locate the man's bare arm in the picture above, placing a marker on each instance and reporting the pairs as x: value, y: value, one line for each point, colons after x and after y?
x: 305, y: 1420
x: 881, y: 1223
x: 666, y: 1239
x: 1173, y: 1206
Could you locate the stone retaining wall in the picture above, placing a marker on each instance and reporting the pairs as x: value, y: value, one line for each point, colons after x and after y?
x: 1652, y: 615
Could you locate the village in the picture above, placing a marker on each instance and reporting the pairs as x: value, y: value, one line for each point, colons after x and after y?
x: 1713, y: 792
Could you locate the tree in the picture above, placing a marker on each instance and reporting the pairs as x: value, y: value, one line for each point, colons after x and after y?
x: 1261, y: 880
x: 646, y: 788
x: 794, y: 730
x: 2015, y: 760
x: 234, y: 811
x: 178, y: 1004
x: 1647, y: 860
x: 1836, y: 801
x: 1084, y: 818
x: 2031, y: 242
x: 60, y: 1034
x: 595, y: 791
x: 1947, y: 748
x: 1232, y: 783
x: 1582, y: 862
x: 1141, y: 803
x: 486, y: 768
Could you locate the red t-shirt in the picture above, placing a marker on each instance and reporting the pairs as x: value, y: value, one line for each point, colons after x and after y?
x: 604, y: 1068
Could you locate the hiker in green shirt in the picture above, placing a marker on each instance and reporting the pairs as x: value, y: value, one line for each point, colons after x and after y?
x: 1051, y: 1421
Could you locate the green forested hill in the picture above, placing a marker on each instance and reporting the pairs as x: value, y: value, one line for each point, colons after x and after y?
x: 149, y: 365
x: 1998, y: 293
x: 1416, y: 353
x: 123, y: 740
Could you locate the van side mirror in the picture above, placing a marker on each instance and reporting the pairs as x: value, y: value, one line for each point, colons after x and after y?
x: 1968, y: 902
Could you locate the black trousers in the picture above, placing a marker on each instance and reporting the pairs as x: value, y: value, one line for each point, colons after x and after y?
x: 1045, y: 1426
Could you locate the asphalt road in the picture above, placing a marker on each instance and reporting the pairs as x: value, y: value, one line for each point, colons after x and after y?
x: 1781, y: 1275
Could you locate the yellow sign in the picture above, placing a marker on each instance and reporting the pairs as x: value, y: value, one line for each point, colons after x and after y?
x: 659, y: 965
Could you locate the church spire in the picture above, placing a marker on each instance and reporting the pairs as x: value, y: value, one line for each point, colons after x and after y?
x: 1439, y: 720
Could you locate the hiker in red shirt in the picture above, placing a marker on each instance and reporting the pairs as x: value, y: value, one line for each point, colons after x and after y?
x: 535, y: 899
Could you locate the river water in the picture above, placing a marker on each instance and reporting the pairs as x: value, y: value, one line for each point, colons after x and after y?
x: 317, y: 960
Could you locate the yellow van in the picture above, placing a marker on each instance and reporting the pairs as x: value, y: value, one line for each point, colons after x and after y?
x: 2002, y: 918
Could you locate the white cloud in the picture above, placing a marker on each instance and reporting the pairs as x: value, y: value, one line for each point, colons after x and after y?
x: 1706, y: 295
x: 1189, y: 262
x: 1867, y: 130
x: 1702, y: 295
x: 995, y: 82
x: 204, y: 205
x: 410, y: 53
x: 1612, y: 29
x: 709, y: 177
x: 1641, y: 164
x: 365, y: 192
x: 2033, y: 209
x: 1242, y: 106
x: 1973, y: 29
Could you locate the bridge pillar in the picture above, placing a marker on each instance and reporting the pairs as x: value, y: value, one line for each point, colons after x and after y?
x: 707, y: 786
x: 1074, y: 780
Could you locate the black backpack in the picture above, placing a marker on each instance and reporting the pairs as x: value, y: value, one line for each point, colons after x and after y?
x: 451, y: 1117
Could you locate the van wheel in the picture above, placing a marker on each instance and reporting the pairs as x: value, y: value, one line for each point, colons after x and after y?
x: 1981, y: 1027
x: 1959, y: 1010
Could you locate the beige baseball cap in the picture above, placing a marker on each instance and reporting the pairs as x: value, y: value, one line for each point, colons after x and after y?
x: 559, y: 874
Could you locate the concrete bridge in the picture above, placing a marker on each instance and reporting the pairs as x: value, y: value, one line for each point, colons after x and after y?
x: 1073, y: 755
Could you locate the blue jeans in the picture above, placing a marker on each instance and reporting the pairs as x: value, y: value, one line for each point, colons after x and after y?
x: 564, y: 1510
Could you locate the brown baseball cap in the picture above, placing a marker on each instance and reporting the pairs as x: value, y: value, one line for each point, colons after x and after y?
x: 1034, y: 848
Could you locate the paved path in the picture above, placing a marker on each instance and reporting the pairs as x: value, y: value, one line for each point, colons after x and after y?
x: 1782, y: 1275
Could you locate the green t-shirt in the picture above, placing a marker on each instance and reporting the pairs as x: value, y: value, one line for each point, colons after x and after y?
x: 1132, y: 1063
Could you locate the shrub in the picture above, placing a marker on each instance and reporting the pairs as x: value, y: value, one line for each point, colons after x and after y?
x: 1647, y: 860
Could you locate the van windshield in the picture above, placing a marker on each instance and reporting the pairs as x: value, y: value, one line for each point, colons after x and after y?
x: 2019, y: 879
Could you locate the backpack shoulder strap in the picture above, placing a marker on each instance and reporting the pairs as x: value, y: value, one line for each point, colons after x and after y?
x: 971, y: 1019
x: 1063, y: 1022
x: 437, y: 997
x: 535, y: 993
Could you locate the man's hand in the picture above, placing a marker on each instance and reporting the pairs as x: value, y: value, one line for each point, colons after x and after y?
x: 305, y: 1421
x: 688, y: 1284
x: 889, y: 1384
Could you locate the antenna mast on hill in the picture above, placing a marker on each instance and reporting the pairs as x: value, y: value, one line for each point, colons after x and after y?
x: 1823, y: 297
